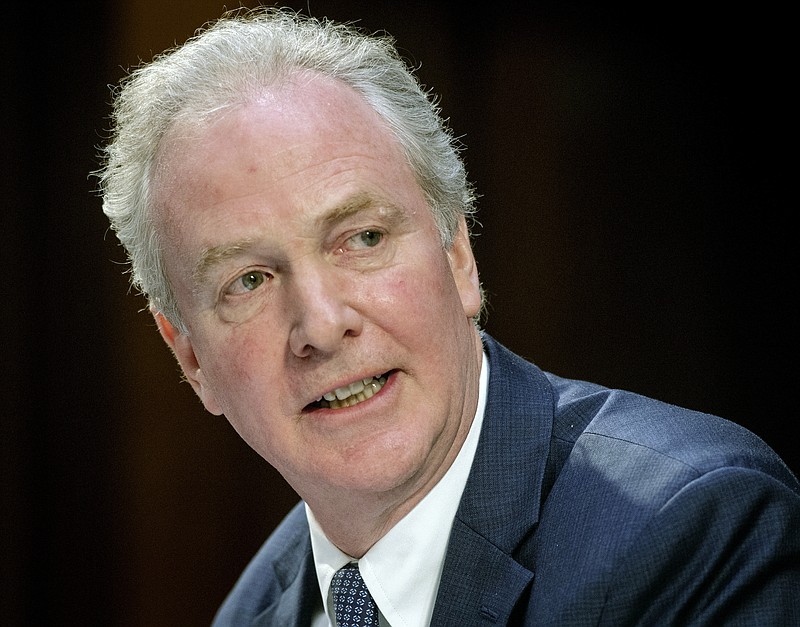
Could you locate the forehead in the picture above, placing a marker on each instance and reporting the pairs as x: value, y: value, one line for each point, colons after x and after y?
x: 274, y: 162
x: 301, y: 123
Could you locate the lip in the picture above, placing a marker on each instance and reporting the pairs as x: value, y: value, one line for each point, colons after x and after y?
x: 313, y: 406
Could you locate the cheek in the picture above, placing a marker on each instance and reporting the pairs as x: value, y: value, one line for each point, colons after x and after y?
x: 400, y: 299
x: 244, y: 385
x: 234, y: 369
x: 420, y: 309
x: 423, y: 276
x: 431, y: 291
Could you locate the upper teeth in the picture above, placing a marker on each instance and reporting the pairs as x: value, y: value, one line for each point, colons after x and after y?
x: 355, y: 392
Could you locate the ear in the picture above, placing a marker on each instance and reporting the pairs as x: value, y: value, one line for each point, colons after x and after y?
x: 181, y: 346
x: 465, y: 270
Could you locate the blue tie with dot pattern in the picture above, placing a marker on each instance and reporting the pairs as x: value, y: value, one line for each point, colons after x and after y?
x: 352, y: 602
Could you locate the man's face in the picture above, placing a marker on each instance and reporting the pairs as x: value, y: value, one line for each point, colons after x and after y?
x: 305, y: 260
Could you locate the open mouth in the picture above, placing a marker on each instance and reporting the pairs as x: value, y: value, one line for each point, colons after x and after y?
x: 352, y: 394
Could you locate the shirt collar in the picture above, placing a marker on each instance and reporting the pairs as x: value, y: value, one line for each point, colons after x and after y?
x: 418, y: 542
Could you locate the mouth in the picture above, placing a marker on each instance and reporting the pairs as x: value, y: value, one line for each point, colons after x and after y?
x: 349, y: 395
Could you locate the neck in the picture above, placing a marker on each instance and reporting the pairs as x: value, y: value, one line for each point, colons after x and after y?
x: 355, y: 536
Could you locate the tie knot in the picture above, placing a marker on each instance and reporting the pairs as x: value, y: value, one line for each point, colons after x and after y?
x: 352, y: 602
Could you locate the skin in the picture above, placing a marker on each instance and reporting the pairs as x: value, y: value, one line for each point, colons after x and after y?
x: 304, y: 257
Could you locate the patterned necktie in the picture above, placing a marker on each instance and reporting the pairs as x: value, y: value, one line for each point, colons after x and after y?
x: 352, y: 602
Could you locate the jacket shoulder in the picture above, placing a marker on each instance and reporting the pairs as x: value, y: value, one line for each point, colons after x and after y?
x: 271, y: 571
x: 653, y: 507
x: 601, y: 417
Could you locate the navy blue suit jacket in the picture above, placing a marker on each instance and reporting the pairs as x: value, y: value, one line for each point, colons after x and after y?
x: 587, y: 506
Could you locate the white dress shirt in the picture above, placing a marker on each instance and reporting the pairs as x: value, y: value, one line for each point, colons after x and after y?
x: 402, y: 570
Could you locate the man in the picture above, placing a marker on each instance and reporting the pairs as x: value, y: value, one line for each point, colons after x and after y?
x: 297, y: 214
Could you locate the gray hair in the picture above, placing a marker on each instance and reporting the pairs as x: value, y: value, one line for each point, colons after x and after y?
x: 230, y: 62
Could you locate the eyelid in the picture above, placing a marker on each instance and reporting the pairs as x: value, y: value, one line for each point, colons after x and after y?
x: 213, y: 260
x: 352, y: 237
x: 363, y: 214
x: 228, y: 287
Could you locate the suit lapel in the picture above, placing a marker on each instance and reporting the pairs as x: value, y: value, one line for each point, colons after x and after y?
x: 481, y: 580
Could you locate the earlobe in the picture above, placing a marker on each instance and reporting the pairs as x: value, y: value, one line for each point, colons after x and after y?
x: 465, y: 271
x: 181, y: 346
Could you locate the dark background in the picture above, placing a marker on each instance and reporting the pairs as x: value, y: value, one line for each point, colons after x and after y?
x: 635, y: 232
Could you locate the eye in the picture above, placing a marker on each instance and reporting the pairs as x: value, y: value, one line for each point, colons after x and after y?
x: 365, y: 239
x: 247, y: 282
x: 252, y: 280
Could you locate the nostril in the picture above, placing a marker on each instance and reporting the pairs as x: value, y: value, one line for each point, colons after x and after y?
x: 322, y: 329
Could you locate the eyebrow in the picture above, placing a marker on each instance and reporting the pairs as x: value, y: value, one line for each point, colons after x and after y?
x: 214, y: 256
x: 354, y: 205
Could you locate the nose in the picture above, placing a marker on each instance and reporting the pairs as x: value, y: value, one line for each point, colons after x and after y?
x: 322, y: 312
